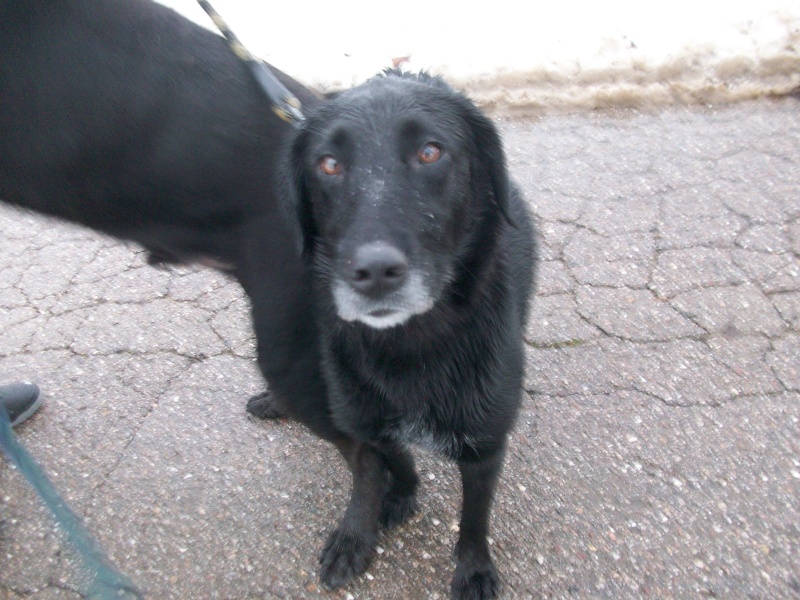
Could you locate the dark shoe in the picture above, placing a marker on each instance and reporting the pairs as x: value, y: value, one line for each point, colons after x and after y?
x: 20, y: 400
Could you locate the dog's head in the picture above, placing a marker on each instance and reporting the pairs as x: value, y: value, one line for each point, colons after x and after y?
x: 393, y: 180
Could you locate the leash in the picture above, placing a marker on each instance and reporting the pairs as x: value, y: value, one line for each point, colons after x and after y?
x: 284, y: 103
x: 106, y: 582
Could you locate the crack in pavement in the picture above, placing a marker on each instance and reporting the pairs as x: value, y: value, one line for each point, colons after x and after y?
x: 667, y: 334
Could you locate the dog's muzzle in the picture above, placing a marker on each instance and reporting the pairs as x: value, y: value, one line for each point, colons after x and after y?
x: 379, y: 288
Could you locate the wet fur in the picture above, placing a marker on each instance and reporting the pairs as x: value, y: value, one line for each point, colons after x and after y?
x: 450, y: 377
x: 163, y: 139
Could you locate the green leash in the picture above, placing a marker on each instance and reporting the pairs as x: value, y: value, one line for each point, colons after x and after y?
x: 106, y: 582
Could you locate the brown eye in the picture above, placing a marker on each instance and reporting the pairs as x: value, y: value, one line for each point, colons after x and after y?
x: 329, y: 165
x: 429, y: 153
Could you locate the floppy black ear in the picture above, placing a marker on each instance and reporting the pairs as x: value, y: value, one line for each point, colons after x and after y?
x: 296, y: 182
x: 489, y: 159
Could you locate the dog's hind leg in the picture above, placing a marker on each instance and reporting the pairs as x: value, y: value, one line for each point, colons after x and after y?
x: 350, y: 548
x: 475, y: 575
x: 400, y: 500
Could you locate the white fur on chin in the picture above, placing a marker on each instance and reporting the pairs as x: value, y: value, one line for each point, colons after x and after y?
x: 412, y: 299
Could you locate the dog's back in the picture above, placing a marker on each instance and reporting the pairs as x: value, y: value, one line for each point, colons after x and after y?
x: 128, y: 118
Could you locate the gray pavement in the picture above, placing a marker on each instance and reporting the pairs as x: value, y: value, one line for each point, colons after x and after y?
x: 657, y: 453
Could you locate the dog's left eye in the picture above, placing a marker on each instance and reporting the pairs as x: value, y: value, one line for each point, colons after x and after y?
x: 429, y: 153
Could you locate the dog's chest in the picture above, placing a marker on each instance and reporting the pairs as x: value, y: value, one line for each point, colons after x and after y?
x: 422, y: 399
x: 420, y: 431
x: 421, y: 426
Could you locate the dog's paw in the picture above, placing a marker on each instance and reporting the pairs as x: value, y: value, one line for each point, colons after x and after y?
x: 396, y: 509
x: 345, y: 556
x: 265, y: 406
x: 475, y: 583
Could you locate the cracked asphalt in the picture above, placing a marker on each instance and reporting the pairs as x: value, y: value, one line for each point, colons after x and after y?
x: 657, y: 453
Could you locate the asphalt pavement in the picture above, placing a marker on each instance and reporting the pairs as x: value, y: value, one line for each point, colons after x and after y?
x: 657, y: 453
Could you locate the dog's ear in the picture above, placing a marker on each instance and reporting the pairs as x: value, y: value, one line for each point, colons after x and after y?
x: 489, y: 159
x: 296, y: 183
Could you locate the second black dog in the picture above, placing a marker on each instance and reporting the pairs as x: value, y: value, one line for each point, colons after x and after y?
x: 422, y: 255
x: 128, y: 118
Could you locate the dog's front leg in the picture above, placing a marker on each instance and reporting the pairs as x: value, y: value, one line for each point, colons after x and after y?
x: 475, y: 576
x: 400, y: 500
x: 350, y: 548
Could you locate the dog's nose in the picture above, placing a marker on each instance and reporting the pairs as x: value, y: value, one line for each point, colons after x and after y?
x: 378, y: 269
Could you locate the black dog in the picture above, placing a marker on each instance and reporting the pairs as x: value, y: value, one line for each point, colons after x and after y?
x: 128, y: 118
x: 422, y: 255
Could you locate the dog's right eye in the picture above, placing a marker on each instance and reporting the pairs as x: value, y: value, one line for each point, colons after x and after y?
x: 429, y: 153
x: 329, y: 165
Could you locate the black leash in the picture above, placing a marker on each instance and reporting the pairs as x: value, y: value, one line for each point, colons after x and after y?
x: 284, y: 103
x: 106, y: 582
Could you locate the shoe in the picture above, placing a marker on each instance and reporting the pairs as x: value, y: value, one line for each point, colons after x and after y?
x: 20, y: 400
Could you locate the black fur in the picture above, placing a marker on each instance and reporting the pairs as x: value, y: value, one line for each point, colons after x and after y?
x: 421, y: 285
x: 128, y: 118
